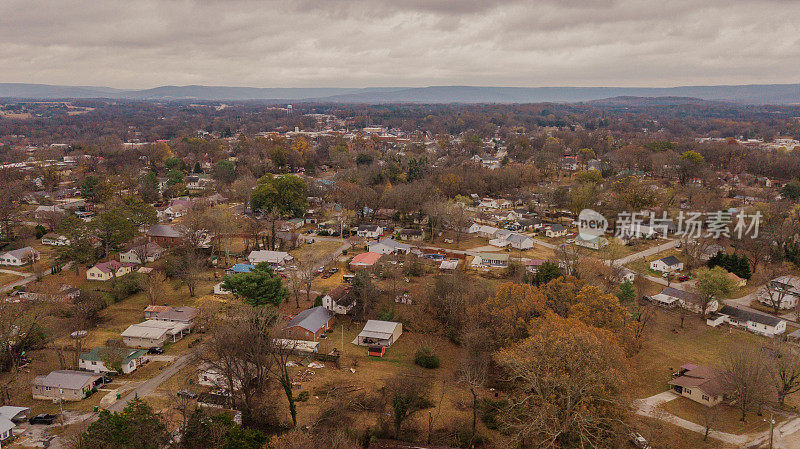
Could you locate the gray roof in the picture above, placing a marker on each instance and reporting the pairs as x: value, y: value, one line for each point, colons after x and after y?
x: 5, y: 424
x: 681, y: 294
x: 11, y: 412
x: 391, y: 243
x: 69, y: 379
x: 556, y: 227
x: 161, y: 230
x: 746, y: 315
x: 517, y: 238
x: 378, y: 328
x: 182, y: 314
x: 670, y: 260
x: 312, y: 319
x: 22, y: 252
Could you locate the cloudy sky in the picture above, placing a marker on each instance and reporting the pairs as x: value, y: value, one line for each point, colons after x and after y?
x: 359, y: 43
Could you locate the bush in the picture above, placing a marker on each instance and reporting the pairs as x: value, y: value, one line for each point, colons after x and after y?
x: 40, y: 231
x: 302, y: 397
x: 426, y: 358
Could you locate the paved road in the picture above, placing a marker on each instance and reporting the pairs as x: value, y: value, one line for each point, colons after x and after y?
x: 147, y: 387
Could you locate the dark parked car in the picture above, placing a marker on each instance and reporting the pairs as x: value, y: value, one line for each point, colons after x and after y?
x: 43, y: 418
x: 155, y: 350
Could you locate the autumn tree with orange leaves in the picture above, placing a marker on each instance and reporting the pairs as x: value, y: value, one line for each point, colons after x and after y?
x: 567, y: 383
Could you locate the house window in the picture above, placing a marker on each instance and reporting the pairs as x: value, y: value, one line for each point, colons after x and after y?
x: 705, y: 398
x: 688, y: 391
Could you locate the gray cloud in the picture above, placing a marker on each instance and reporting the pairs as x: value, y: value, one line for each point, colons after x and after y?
x: 302, y: 43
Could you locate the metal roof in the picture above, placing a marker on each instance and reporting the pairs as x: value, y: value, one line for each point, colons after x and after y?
x: 312, y: 319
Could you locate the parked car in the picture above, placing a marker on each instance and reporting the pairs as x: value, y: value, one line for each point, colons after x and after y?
x: 187, y: 394
x: 107, y: 378
x: 684, y: 278
x: 638, y: 440
x: 43, y: 418
x: 155, y: 350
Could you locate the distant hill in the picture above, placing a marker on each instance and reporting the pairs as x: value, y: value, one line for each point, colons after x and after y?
x: 652, y: 101
x: 744, y: 94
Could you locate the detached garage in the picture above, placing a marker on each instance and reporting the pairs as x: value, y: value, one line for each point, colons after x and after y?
x: 376, y: 332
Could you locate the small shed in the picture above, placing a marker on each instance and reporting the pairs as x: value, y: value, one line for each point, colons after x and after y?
x: 376, y: 351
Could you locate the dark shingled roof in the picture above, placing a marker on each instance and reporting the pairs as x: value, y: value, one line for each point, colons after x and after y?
x: 746, y: 315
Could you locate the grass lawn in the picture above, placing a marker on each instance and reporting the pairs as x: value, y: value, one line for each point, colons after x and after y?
x: 666, y: 347
x: 315, y: 252
x: 7, y: 278
x: 643, y: 265
x: 726, y: 418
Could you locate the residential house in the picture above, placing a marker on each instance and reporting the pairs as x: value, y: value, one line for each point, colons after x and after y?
x: 240, y: 268
x: 309, y: 324
x: 411, y: 235
x: 364, y: 260
x: 381, y: 333
x: 626, y: 275
x: 484, y: 231
x: 532, y: 265
x: 180, y: 314
x: 150, y: 252
x: 389, y: 246
x: 154, y: 333
x: 670, y: 297
x: 339, y: 300
x: 783, y: 291
x: 209, y: 375
x: 53, y: 239
x: 165, y: 235
x: 152, y: 310
x: 67, y: 385
x: 369, y: 231
x: 490, y: 260
x: 555, y: 230
x: 104, y: 271
x: 595, y: 242
x: 128, y: 360
x: 701, y: 384
x: 669, y: 264
x: 19, y: 257
x: 9, y: 417
x: 758, y: 323
x: 274, y: 258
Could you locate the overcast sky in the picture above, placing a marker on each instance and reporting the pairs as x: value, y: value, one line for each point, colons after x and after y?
x: 359, y: 43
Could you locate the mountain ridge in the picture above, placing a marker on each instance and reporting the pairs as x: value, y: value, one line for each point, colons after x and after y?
x: 757, y: 94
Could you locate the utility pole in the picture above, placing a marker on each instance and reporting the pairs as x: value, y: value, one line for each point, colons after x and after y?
x: 771, y: 427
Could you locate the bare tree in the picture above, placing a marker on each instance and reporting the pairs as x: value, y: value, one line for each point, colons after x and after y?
x: 474, y: 369
x: 154, y: 286
x: 709, y: 418
x: 785, y: 370
x: 745, y: 374
x: 774, y: 293
x: 238, y: 350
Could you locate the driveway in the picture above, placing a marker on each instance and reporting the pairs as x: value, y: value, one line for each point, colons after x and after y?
x: 649, y: 407
x: 149, y: 386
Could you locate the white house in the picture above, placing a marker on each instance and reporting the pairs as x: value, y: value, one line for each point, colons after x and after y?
x: 596, y: 242
x: 339, y: 300
x: 19, y: 257
x: 668, y: 264
x: 490, y: 260
x: 389, y: 246
x: 484, y: 231
x: 555, y: 230
x: 95, y: 360
x: 783, y: 291
x: 369, y: 231
x: 670, y: 297
x: 52, y: 239
x: 152, y: 333
x: 149, y: 251
x: 758, y: 323
x: 517, y: 241
x: 270, y: 257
